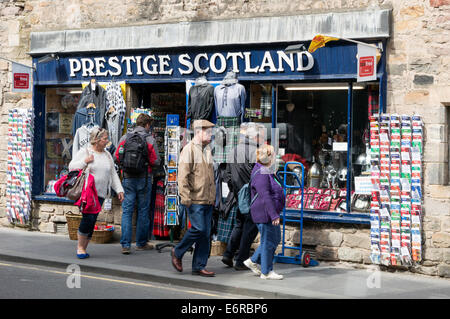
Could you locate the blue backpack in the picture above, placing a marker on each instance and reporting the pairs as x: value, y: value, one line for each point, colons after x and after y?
x: 244, y: 197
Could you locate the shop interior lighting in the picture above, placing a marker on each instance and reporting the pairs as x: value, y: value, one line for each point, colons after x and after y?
x: 75, y: 91
x: 321, y: 86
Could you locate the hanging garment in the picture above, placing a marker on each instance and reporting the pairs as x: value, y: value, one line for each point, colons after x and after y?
x: 81, y: 138
x: 200, y: 102
x: 226, y: 142
x: 230, y: 100
x: 114, y: 125
x: 115, y: 112
x: 98, y: 97
x: 159, y: 228
x: 82, y: 117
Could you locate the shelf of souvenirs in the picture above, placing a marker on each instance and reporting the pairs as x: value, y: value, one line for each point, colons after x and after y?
x: 322, y: 199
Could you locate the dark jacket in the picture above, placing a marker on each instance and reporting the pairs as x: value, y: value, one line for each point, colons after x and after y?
x: 240, y: 163
x: 270, y: 201
x: 201, y: 102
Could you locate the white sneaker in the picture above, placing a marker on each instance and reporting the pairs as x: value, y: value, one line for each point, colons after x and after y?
x: 252, y: 266
x: 272, y: 275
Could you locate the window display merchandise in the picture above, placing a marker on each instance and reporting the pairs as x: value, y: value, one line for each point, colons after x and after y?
x: 19, y: 165
x: 71, y: 114
x: 313, y: 130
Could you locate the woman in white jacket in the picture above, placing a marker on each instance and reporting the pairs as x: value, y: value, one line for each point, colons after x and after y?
x: 101, y: 166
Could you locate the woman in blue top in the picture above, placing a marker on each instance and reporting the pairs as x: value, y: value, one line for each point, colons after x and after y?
x: 265, y: 212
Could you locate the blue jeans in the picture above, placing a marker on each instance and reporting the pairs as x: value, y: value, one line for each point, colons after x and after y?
x: 270, y: 238
x: 135, y: 193
x: 200, y: 217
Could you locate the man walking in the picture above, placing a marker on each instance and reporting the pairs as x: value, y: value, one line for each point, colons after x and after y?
x: 196, y: 186
x: 136, y: 154
x: 239, y: 167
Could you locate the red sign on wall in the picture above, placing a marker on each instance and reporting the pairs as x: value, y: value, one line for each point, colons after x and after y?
x: 367, y: 66
x: 21, y: 81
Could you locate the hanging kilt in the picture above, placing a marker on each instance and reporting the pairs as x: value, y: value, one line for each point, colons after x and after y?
x: 232, y: 127
x: 159, y: 229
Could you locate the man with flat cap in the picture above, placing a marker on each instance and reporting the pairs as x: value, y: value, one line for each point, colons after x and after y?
x: 197, y: 189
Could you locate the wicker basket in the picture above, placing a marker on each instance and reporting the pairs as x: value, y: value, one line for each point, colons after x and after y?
x: 102, y: 236
x: 73, y: 223
x: 98, y: 237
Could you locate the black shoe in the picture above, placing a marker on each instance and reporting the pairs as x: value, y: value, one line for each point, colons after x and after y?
x: 227, y: 261
x: 241, y: 267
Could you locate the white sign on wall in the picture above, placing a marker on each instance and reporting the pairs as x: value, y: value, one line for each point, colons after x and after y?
x: 367, y: 63
x: 21, y: 78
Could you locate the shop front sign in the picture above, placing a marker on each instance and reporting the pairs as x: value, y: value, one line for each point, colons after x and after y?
x: 185, y: 64
x: 260, y: 63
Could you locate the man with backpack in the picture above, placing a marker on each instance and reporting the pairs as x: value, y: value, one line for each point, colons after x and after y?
x: 239, y: 167
x: 136, y: 155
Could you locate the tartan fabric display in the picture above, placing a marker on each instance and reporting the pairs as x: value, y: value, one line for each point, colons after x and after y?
x: 225, y: 226
x: 159, y: 229
x: 232, y: 126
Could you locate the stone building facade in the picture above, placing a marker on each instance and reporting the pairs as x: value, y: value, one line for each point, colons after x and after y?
x: 418, y: 82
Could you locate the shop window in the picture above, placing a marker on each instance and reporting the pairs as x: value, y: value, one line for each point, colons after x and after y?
x: 260, y: 109
x: 315, y: 125
x: 61, y: 105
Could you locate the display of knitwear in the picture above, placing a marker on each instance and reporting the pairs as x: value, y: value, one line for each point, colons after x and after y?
x: 396, y: 173
x: 19, y: 165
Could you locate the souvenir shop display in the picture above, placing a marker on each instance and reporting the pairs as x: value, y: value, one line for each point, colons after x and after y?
x: 161, y: 105
x: 19, y: 165
x: 172, y: 138
x: 396, y: 175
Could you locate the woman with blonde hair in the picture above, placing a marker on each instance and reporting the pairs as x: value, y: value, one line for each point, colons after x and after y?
x: 101, y: 167
x: 265, y: 212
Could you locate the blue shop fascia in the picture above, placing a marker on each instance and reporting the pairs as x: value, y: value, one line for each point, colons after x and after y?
x: 312, y: 98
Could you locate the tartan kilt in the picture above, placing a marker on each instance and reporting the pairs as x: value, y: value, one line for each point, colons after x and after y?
x: 232, y: 126
x: 225, y: 226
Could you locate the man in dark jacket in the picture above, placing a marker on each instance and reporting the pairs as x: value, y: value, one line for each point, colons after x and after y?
x: 239, y: 167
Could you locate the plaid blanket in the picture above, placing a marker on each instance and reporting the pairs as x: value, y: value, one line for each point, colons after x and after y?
x: 225, y: 226
x: 232, y: 128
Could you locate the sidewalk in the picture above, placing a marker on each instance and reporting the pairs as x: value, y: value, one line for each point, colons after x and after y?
x: 324, y: 281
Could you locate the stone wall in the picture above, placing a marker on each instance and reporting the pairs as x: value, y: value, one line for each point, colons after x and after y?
x: 418, y: 82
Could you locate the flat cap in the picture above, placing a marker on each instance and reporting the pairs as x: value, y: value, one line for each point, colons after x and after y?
x: 202, y: 124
